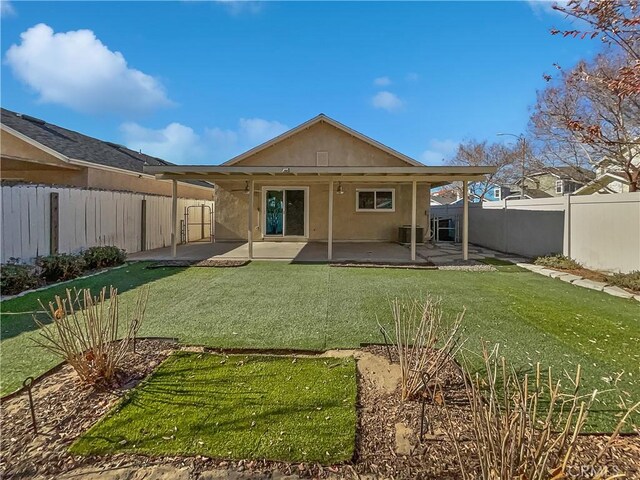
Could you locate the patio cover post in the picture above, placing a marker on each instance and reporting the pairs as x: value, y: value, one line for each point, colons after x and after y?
x: 174, y: 218
x: 465, y: 221
x: 414, y: 197
x: 330, y: 227
x: 250, y: 221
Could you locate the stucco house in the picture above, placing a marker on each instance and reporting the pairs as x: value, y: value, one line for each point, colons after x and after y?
x: 35, y: 151
x: 609, y: 178
x: 552, y: 182
x: 321, y: 182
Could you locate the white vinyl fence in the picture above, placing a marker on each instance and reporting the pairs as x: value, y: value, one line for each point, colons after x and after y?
x: 600, y: 231
x: 35, y: 219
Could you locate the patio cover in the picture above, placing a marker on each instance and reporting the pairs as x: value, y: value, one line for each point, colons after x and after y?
x: 435, y: 176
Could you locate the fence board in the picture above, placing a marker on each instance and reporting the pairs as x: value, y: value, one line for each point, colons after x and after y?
x: 86, y: 218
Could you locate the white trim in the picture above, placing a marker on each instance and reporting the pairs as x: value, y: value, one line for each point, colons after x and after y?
x: 263, y: 213
x: 375, y: 209
x: 499, y: 190
x: 330, y: 121
x: 561, y: 191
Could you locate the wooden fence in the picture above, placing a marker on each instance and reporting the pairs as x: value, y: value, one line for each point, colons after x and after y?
x: 39, y: 220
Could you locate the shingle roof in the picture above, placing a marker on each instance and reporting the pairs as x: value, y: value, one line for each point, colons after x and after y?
x: 575, y: 173
x: 82, y: 147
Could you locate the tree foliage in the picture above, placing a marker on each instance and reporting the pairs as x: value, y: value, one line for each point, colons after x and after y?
x: 616, y: 23
x: 508, y: 161
x: 579, y: 120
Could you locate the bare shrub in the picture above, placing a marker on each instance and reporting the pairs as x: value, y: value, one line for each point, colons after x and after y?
x: 90, y: 333
x: 523, y: 427
x: 424, y: 342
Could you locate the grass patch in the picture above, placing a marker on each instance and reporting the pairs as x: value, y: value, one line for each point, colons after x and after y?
x: 317, y: 307
x: 502, y: 265
x: 236, y: 407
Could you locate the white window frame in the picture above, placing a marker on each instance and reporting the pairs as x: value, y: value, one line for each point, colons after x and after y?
x: 561, y: 183
x: 499, y: 191
x: 263, y: 213
x: 374, y: 209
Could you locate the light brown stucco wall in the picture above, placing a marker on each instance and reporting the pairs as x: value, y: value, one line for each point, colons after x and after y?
x: 348, y: 224
x: 344, y: 150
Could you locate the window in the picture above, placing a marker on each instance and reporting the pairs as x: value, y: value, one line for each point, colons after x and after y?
x: 497, y: 193
x: 370, y: 200
x: 559, y: 186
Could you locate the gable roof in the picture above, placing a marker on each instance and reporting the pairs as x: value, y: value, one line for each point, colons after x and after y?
x: 329, y: 121
x: 76, y: 146
x: 578, y: 174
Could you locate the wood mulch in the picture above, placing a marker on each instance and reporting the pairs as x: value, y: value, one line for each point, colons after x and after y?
x: 387, y: 440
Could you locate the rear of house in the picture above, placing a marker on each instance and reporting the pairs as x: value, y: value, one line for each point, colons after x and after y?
x: 321, y: 182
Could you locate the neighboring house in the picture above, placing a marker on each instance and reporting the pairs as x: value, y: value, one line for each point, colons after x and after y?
x: 609, y: 179
x: 552, y: 182
x: 34, y: 151
x: 446, y: 197
x: 493, y: 193
x: 321, y: 181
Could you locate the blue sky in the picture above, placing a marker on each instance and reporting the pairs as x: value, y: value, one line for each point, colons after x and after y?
x: 198, y: 82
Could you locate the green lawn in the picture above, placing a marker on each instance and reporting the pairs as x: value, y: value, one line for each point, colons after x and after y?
x: 279, y: 305
x: 236, y: 407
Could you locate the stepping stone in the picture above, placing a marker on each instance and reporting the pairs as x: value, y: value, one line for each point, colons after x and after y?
x: 618, y: 292
x: 546, y: 272
x: 593, y: 285
x: 570, y: 278
x: 557, y: 274
x: 637, y: 297
x: 530, y: 266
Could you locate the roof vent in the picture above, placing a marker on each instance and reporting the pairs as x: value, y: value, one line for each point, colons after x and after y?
x: 322, y: 159
x: 31, y: 119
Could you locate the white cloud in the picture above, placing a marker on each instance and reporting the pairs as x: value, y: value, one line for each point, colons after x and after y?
x: 6, y: 8
x: 387, y: 101
x: 382, y: 81
x: 238, y: 7
x: 439, y: 150
x: 176, y: 142
x: 257, y: 130
x: 77, y: 70
x: 181, y: 144
x: 545, y: 7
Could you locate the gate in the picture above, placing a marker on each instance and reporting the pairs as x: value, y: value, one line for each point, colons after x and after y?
x: 198, y: 223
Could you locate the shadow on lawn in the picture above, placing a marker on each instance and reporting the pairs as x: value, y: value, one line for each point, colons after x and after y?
x: 16, y: 314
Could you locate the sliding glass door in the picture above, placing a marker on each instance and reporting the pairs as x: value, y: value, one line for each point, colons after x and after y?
x: 285, y: 212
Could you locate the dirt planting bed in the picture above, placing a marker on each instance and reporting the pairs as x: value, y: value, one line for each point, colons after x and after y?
x: 387, y: 439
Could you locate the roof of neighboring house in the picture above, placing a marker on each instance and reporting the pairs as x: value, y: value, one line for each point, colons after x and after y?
x: 445, y: 198
x: 77, y: 146
x: 578, y: 174
x: 529, y: 193
x: 600, y: 183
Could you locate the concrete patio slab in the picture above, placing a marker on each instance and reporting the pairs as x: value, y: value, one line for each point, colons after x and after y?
x: 303, y: 252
